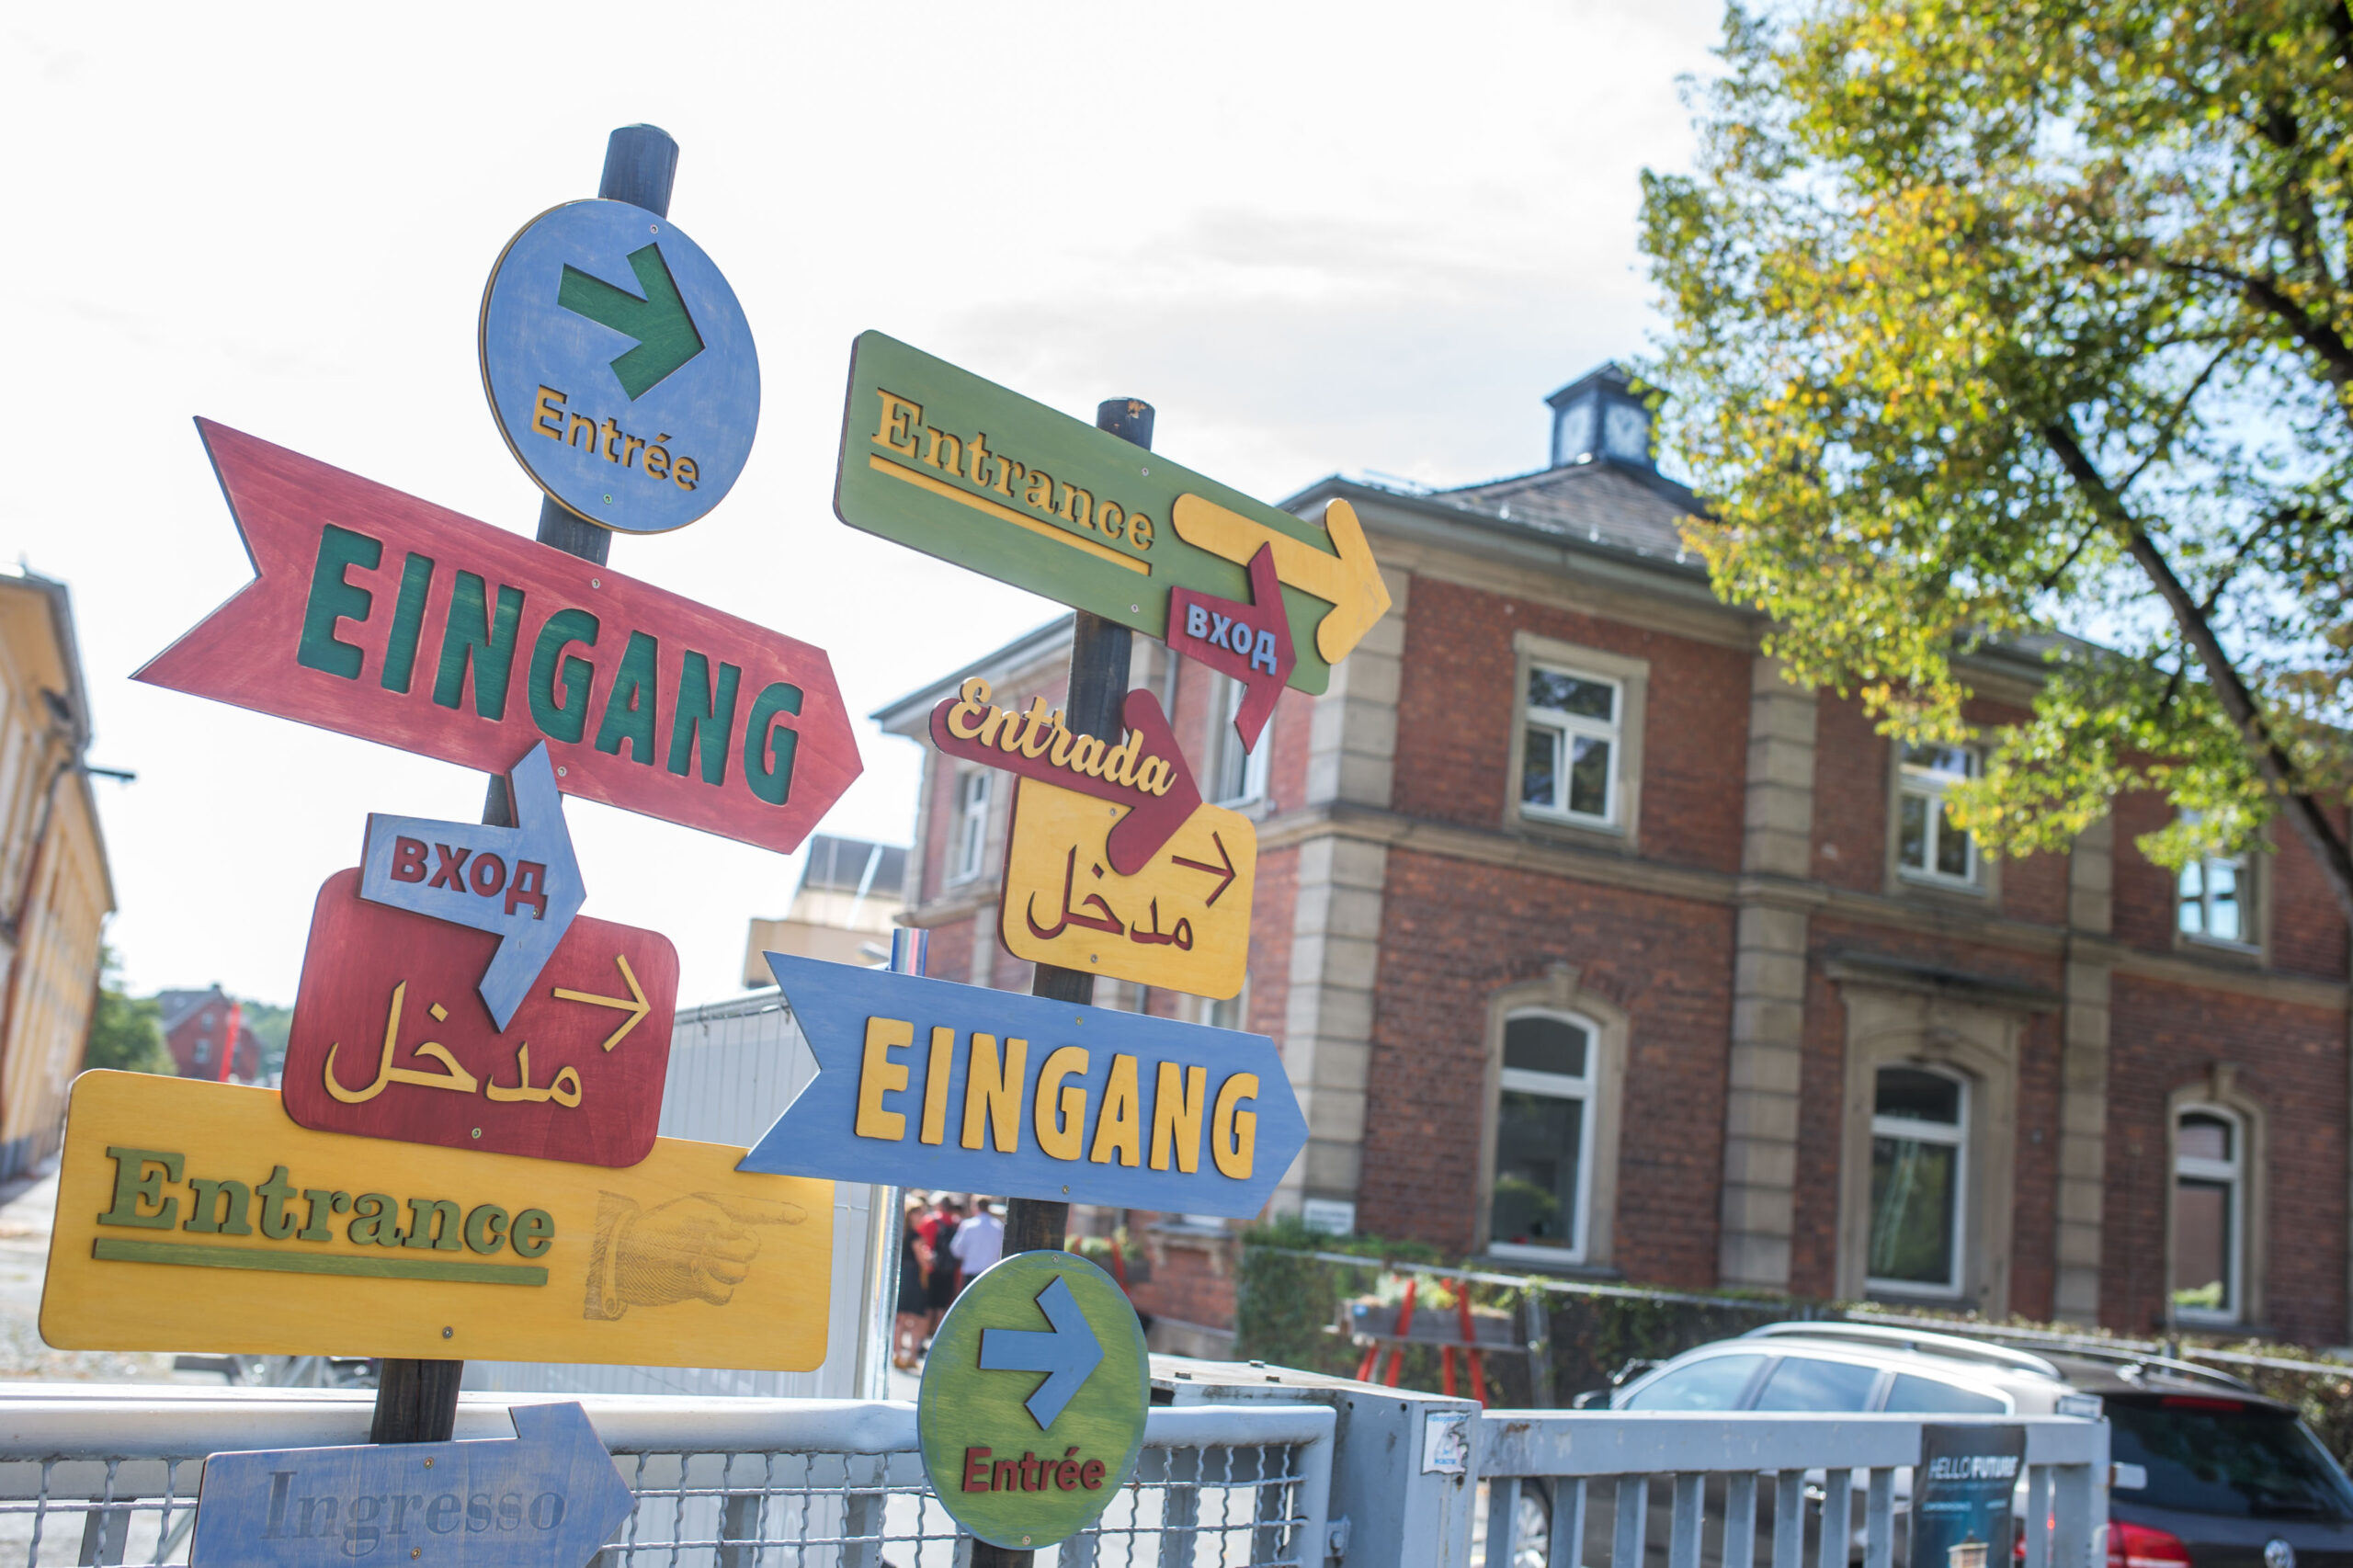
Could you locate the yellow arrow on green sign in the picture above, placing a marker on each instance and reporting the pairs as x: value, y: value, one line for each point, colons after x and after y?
x: 940, y: 460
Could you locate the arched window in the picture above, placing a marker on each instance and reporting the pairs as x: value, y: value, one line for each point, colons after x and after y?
x: 1543, y: 1171
x: 2209, y: 1215
x: 1919, y: 1175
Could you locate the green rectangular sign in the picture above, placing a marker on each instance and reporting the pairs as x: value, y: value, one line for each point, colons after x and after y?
x: 940, y: 460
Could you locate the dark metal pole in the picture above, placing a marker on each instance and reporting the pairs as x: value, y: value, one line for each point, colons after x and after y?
x: 1098, y: 688
x: 416, y: 1401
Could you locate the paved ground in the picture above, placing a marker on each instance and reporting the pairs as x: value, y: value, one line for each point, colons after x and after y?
x: 25, y: 1208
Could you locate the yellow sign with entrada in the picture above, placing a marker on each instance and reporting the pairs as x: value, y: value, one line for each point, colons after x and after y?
x: 196, y: 1216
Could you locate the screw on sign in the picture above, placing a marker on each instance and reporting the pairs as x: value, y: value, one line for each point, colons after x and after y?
x: 1034, y: 1398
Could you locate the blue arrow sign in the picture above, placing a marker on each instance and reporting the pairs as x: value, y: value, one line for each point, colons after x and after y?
x: 521, y: 883
x: 547, y: 1498
x: 925, y: 1083
x: 1068, y: 1353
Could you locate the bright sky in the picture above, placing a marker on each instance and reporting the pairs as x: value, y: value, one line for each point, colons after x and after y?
x: 1319, y: 238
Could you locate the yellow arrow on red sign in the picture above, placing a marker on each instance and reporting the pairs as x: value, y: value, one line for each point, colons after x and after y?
x: 1348, y: 581
x: 634, y: 1004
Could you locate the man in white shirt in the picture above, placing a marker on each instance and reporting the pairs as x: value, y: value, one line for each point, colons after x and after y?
x: 979, y: 1241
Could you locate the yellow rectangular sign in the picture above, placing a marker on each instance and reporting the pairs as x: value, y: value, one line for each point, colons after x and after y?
x: 197, y: 1216
x: 1183, y: 922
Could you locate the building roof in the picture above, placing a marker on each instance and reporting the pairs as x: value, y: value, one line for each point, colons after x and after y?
x: 175, y: 1005
x: 1602, y: 500
x: 840, y: 864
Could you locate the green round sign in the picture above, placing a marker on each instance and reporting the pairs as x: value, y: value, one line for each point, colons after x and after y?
x: 1033, y: 1399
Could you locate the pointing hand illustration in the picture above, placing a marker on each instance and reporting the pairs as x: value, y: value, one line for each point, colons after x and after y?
x: 699, y: 1246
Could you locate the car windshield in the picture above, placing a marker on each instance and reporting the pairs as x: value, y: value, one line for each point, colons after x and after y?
x: 1712, y: 1382
x: 1800, y: 1383
x: 2225, y: 1455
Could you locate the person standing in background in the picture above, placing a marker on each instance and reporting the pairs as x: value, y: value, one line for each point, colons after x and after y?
x: 939, y: 1229
x: 914, y: 1311
x: 980, y: 1240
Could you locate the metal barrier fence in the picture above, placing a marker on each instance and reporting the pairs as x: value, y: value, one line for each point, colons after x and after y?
x: 1243, y: 1468
x: 1760, y: 1481
x: 110, y: 1476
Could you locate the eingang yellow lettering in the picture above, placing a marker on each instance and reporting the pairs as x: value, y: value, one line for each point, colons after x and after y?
x: 935, y: 1084
x: 1178, y: 1102
x: 1233, y: 1133
x: 878, y: 1076
x: 1118, y: 1126
x: 1059, y: 1114
x: 993, y: 1092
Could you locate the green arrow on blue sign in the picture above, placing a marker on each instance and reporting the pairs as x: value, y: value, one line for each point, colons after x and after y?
x: 665, y: 333
x: 926, y: 1083
x: 620, y: 366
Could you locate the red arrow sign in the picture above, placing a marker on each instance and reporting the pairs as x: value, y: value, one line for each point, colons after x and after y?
x: 1251, y: 643
x: 1144, y: 771
x: 391, y: 1040
x: 379, y: 615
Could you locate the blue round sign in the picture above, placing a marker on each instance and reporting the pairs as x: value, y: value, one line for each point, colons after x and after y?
x: 620, y: 366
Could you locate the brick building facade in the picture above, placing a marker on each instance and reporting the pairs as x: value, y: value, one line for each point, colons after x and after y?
x: 1594, y: 946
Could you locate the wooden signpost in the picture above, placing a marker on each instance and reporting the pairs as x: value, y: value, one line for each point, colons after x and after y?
x: 195, y: 1216
x: 1034, y: 1399
x: 957, y: 467
x: 389, y: 1039
x: 620, y: 366
x: 1181, y: 921
x: 382, y: 616
x: 926, y: 1083
x: 547, y: 1497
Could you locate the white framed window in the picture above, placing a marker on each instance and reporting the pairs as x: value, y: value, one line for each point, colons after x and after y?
x: 2211, y: 903
x: 1239, y: 778
x: 2208, y: 1215
x: 1928, y: 847
x: 1543, y: 1146
x: 967, y: 847
x: 1919, y: 1181
x: 1572, y: 746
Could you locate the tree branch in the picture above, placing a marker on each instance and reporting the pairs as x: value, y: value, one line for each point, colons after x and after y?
x: 2277, y: 769
x: 2335, y: 353
x: 2173, y: 422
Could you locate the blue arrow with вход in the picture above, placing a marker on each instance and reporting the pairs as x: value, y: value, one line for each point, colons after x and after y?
x: 521, y: 884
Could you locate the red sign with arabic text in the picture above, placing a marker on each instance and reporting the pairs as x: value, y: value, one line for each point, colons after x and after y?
x: 390, y: 1038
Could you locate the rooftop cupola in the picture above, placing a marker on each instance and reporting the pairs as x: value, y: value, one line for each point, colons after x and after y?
x: 1598, y: 415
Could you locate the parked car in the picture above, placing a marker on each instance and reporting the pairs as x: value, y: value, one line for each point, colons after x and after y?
x: 2208, y: 1473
